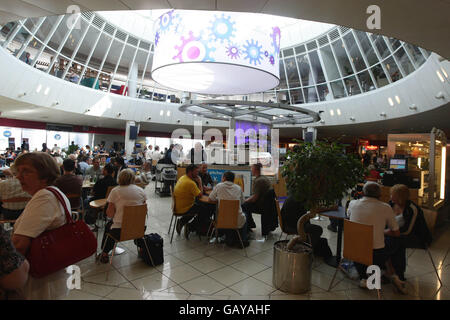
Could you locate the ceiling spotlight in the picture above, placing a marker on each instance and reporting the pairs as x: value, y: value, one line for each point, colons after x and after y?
x: 322, y: 121
x: 440, y: 95
x: 383, y: 114
x: 22, y: 94
x: 149, y: 118
x: 178, y: 121
x: 55, y: 103
x: 87, y: 110
x: 352, y: 118
x: 413, y: 107
x: 207, y: 122
x: 118, y: 115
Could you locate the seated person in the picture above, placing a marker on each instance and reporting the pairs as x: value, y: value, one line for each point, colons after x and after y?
x: 228, y: 190
x: 95, y: 170
x: 291, y: 212
x: 11, y: 188
x: 69, y: 183
x: 146, y: 174
x: 373, y: 172
x: 99, y: 192
x: 261, y: 185
x: 206, y: 177
x: 414, y: 232
x: 126, y: 194
x: 370, y: 210
x: 13, y: 266
x: 189, y: 188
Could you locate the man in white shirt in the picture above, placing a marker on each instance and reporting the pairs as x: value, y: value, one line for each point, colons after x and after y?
x: 228, y: 190
x: 149, y: 153
x: 370, y: 210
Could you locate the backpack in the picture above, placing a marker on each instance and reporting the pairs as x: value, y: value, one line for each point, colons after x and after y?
x: 155, y: 247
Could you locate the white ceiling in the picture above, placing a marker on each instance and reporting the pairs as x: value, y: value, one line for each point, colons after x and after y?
x: 423, y: 23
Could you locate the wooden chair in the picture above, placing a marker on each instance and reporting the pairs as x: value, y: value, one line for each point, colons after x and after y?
x: 77, y: 212
x: 227, y: 218
x: 133, y: 227
x: 174, y: 215
x: 180, y: 172
x: 13, y: 200
x: 280, y: 220
x: 358, y: 246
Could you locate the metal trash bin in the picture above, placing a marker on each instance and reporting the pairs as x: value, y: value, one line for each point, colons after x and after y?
x: 292, y: 270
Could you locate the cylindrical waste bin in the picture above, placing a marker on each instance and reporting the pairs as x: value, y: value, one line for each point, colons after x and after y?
x: 292, y: 269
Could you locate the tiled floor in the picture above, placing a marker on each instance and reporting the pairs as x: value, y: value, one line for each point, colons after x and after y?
x: 195, y: 269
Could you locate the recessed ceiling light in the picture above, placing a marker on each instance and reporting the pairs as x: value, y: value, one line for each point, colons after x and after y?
x: 391, y: 102
x: 168, y: 113
x: 440, y: 76
x: 338, y: 112
x: 331, y: 112
x: 161, y: 113
x: 398, y: 99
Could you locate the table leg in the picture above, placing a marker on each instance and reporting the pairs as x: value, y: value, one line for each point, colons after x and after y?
x: 335, y: 260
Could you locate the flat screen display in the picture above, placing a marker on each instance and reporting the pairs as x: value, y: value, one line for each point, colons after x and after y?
x: 246, y: 127
x: 398, y: 164
x: 133, y: 132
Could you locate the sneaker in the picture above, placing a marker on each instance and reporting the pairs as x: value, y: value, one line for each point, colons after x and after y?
x: 399, y: 284
x: 179, y: 227
x: 186, y: 231
x: 332, y: 228
x: 103, y: 258
x: 363, y: 283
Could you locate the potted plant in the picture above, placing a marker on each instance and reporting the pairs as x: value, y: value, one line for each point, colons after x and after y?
x: 317, y: 175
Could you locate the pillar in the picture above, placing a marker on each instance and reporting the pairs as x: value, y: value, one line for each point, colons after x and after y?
x: 132, y: 80
x: 129, y: 143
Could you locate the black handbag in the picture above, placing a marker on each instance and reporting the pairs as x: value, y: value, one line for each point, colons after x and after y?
x: 155, y: 248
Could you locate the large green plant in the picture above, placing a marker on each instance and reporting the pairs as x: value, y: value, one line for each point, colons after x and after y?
x: 319, y: 174
x: 72, y: 148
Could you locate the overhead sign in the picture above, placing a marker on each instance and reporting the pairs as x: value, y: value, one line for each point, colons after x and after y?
x: 7, y: 133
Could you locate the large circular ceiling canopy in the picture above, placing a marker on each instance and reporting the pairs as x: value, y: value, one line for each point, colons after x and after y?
x: 221, y: 53
x: 257, y: 111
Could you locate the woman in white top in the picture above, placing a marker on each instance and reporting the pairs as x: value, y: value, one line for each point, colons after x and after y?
x: 36, y: 171
x: 126, y: 194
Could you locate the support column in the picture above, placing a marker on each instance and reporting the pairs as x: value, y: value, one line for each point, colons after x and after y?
x: 310, y: 134
x: 132, y: 80
x: 129, y: 143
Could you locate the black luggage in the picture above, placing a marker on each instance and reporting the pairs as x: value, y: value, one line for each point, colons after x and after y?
x: 155, y: 247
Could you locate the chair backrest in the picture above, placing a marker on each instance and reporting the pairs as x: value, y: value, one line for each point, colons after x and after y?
x: 180, y: 172
x: 358, y: 242
x: 227, y: 214
x: 133, y: 222
x: 173, y: 199
x: 17, y: 199
x: 73, y: 196
x: 154, y: 162
x: 280, y: 187
x: 108, y: 191
x: 280, y: 220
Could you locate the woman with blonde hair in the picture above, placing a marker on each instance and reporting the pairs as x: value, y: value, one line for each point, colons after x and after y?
x: 414, y: 232
x: 126, y: 194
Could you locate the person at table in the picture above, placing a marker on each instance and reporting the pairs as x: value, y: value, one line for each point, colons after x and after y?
x: 149, y: 153
x: 11, y: 188
x: 371, y: 211
x: 414, y: 232
x: 69, y: 183
x: 228, y: 190
x: 37, y: 171
x: 13, y: 266
x: 189, y: 188
x: 291, y: 212
x: 99, y: 192
x: 119, y: 165
x: 206, y: 177
x: 95, y: 170
x: 260, y: 187
x: 373, y: 172
x: 82, y: 164
x: 126, y: 194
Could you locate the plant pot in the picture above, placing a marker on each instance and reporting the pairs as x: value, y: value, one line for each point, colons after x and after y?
x: 292, y: 269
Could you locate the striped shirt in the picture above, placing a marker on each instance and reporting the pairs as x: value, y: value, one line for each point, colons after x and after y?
x: 11, y: 188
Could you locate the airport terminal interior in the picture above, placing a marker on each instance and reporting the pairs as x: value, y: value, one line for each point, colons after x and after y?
x: 227, y: 85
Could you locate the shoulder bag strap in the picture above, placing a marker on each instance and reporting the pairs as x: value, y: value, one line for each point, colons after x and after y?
x: 61, y: 200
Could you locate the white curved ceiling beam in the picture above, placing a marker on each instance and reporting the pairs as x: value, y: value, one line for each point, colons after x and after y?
x: 423, y: 23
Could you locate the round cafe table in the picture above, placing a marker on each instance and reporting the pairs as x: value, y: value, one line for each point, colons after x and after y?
x: 340, y: 215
